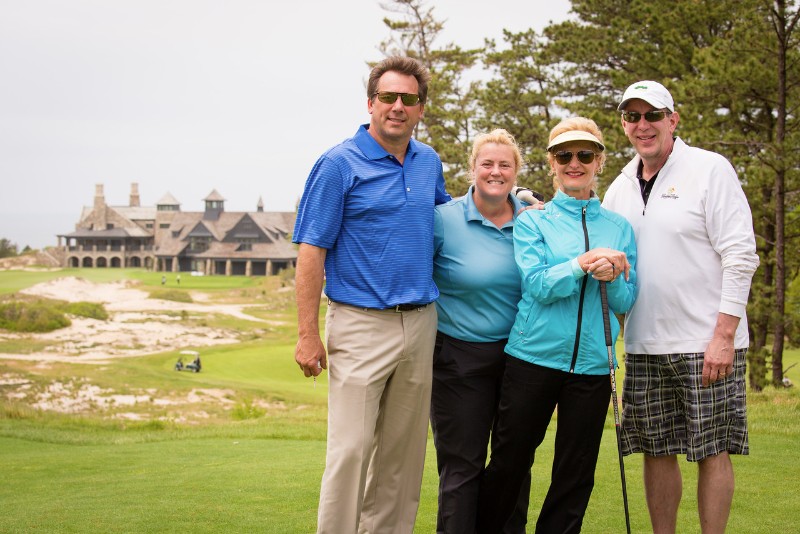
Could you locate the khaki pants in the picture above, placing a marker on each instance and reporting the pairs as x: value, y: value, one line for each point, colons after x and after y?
x: 380, y: 367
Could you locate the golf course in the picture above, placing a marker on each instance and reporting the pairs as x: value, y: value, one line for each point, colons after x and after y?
x: 100, y: 433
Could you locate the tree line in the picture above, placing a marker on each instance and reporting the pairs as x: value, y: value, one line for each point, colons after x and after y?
x: 7, y: 248
x: 733, y: 67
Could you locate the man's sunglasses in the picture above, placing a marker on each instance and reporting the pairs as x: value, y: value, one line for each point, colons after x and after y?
x: 390, y: 97
x: 650, y: 116
x: 584, y: 156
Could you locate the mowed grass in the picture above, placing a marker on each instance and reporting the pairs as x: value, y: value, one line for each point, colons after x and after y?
x: 256, y: 465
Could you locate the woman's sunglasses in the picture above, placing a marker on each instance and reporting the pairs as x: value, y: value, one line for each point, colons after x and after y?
x: 584, y: 156
x: 650, y: 116
x: 390, y: 97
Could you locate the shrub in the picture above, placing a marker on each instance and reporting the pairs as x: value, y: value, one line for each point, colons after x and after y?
x: 287, y: 276
x: 171, y: 294
x: 36, y: 316
x: 246, y: 410
x: 92, y: 310
x: 44, y: 315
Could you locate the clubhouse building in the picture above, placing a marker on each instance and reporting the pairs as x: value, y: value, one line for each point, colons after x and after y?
x: 164, y: 238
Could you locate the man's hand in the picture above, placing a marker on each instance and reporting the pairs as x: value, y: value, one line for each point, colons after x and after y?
x: 539, y: 205
x: 310, y: 355
x: 534, y: 199
x: 718, y: 359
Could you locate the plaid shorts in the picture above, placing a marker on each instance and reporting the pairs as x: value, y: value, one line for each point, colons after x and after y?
x: 667, y: 411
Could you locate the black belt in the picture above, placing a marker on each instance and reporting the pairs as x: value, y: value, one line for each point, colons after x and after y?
x: 406, y: 307
x: 397, y: 308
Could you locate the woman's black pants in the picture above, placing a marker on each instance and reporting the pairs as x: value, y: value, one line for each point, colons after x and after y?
x: 529, y: 395
x: 466, y: 385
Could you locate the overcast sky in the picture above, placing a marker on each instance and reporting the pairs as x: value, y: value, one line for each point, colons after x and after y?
x: 186, y: 96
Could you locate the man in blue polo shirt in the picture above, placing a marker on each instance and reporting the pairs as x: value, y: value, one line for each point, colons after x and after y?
x: 365, y: 226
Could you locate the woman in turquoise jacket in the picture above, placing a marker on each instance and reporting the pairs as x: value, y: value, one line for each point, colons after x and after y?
x: 556, y: 352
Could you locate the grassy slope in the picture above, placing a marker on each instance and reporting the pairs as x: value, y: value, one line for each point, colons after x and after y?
x: 78, y: 474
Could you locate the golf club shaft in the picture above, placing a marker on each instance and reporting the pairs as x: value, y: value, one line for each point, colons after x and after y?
x: 609, y: 341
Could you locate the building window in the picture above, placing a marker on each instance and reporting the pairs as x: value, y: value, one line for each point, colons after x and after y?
x: 148, y: 225
x: 109, y: 226
x: 245, y: 247
x: 199, y: 244
x: 163, y: 225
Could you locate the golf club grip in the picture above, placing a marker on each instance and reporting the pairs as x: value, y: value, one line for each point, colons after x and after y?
x: 606, y: 319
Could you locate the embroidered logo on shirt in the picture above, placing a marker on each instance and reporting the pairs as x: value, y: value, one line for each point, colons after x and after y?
x: 670, y: 194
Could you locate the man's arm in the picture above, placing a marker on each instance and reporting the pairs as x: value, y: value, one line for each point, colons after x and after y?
x: 310, y: 352
x: 730, y: 229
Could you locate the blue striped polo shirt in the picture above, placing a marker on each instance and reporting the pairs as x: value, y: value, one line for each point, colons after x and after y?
x: 375, y: 218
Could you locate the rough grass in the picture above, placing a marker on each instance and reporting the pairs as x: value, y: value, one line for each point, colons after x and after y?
x: 176, y: 295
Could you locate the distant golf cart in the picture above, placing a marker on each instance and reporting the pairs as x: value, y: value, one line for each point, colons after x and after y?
x: 194, y: 366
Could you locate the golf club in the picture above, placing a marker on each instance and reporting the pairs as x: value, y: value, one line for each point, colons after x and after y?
x: 607, y: 328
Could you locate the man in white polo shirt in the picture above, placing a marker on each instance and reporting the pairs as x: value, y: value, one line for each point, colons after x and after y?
x: 686, y: 335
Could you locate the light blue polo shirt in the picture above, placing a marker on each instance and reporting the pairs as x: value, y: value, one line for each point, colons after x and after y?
x: 475, y: 271
x: 375, y: 218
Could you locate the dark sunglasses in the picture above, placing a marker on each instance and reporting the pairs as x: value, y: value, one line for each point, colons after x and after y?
x: 584, y: 156
x: 650, y: 116
x: 390, y: 97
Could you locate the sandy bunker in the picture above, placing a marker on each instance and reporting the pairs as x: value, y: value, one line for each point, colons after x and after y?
x: 137, y: 324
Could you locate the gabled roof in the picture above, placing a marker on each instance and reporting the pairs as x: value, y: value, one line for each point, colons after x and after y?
x: 168, y: 200
x: 129, y: 213
x: 275, y: 226
x: 200, y: 230
x: 281, y: 222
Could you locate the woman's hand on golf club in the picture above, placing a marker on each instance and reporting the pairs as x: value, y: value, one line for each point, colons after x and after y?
x: 605, y: 264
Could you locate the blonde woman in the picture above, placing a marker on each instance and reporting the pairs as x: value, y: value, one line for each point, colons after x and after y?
x: 556, y: 352
x: 479, y: 288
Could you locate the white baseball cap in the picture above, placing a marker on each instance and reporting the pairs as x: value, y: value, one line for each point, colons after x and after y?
x: 575, y: 135
x: 651, y: 92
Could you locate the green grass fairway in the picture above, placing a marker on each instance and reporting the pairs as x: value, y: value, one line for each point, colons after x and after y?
x: 178, y: 485
x: 11, y: 281
x: 252, y: 460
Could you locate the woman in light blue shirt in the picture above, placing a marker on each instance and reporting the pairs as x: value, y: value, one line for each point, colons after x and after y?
x: 479, y: 287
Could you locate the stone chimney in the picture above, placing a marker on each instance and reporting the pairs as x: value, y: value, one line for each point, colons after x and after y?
x: 99, y: 199
x: 99, y: 212
x: 134, y: 202
x: 260, y: 205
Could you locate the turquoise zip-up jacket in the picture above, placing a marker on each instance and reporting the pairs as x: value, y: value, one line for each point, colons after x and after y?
x: 559, y: 322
